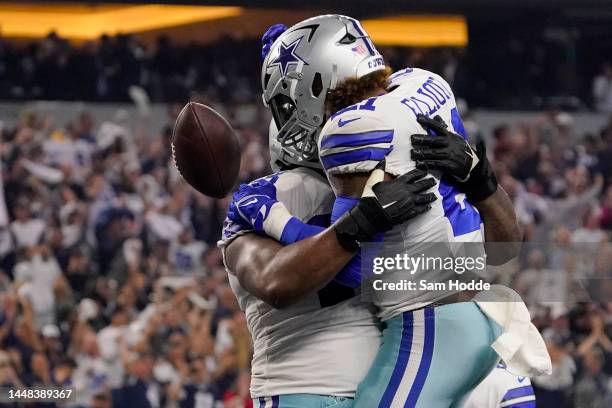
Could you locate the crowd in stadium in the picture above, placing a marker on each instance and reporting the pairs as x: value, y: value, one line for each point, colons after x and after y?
x: 111, y: 281
x: 508, y: 72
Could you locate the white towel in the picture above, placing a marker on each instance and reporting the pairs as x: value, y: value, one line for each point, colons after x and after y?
x: 520, y: 345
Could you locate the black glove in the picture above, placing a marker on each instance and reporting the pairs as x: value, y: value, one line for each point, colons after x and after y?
x: 467, y: 169
x: 393, y: 202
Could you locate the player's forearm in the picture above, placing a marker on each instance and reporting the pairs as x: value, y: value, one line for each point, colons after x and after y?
x: 311, y: 258
x: 282, y: 275
x: 502, y: 232
x: 310, y: 264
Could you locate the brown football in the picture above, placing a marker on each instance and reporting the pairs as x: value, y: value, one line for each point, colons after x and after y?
x: 206, y: 150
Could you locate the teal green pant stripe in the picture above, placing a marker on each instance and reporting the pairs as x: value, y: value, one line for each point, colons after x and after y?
x: 371, y: 390
x: 461, y: 358
x: 462, y: 355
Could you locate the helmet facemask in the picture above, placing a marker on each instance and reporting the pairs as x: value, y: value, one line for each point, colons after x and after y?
x: 297, y: 139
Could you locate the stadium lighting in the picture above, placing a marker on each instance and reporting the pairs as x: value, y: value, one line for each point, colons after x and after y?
x: 80, y: 22
x: 86, y: 22
x: 418, y: 31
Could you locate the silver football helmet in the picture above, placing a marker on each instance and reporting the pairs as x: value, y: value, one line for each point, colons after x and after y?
x: 303, y: 64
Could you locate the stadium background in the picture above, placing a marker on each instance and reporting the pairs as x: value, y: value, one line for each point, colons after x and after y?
x: 110, y: 275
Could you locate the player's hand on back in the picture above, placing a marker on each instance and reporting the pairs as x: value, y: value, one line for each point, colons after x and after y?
x: 403, y: 198
x: 384, y: 205
x: 443, y: 150
x: 466, y: 168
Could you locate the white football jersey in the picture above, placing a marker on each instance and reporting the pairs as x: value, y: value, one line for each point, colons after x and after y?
x: 357, y: 138
x: 325, y: 343
x: 501, y: 389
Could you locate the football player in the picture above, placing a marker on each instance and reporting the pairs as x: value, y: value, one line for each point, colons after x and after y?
x: 306, y: 329
x: 502, y: 389
x: 281, y: 277
x: 313, y: 339
x: 307, y: 76
x: 423, y: 327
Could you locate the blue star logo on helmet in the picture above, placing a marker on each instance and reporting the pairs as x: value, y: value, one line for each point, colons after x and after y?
x: 287, y: 56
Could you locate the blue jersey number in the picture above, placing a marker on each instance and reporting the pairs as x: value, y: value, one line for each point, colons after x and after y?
x: 367, y: 105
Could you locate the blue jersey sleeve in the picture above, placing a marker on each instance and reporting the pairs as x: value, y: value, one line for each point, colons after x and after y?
x: 519, y: 397
x: 355, y: 140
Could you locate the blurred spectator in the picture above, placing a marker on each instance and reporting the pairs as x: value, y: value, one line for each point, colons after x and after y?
x: 602, y: 89
x: 553, y: 391
x: 606, y: 210
x: 592, y: 388
x: 186, y: 254
x: 8, y: 375
x: 27, y: 231
x: 590, y: 231
x: 139, y: 389
x: 91, y: 375
x: 39, y: 278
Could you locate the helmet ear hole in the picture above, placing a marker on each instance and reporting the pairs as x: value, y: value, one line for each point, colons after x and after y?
x: 266, y: 80
x: 317, y: 85
x: 348, y: 39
